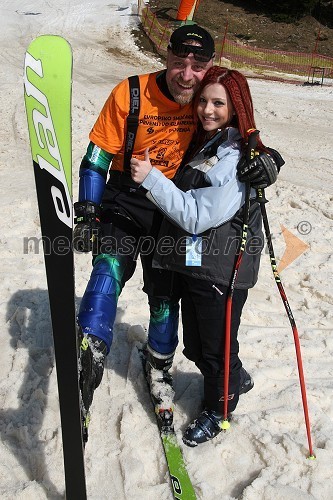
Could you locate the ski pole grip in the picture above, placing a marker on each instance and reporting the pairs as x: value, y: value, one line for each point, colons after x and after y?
x: 250, y: 154
x: 252, y: 134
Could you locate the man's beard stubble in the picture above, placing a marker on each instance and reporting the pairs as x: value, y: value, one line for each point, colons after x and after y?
x: 184, y: 99
x: 179, y: 97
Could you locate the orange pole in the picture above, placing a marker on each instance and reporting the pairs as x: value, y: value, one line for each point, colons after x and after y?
x: 185, y: 9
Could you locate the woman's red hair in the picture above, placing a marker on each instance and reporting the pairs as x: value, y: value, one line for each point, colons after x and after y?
x: 240, y: 95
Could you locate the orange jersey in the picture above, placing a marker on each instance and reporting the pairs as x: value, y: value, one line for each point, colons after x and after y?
x: 165, y: 127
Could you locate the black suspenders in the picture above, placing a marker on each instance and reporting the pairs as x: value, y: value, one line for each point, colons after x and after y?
x: 132, y: 121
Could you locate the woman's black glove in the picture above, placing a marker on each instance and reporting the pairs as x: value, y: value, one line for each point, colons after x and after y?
x: 88, y: 228
x: 262, y: 171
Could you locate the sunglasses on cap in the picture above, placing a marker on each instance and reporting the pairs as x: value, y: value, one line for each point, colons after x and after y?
x: 199, y: 53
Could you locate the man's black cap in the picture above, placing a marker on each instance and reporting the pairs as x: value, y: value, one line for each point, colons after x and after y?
x: 193, y: 32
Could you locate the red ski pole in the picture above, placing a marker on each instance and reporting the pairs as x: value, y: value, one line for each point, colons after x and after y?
x: 262, y: 200
x: 250, y: 153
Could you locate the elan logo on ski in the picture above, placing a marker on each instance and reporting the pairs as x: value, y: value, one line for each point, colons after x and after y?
x: 47, y: 95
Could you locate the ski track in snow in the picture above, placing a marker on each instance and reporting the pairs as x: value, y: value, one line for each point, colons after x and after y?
x: 263, y: 456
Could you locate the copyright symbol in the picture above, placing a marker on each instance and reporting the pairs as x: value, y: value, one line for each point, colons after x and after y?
x: 304, y: 227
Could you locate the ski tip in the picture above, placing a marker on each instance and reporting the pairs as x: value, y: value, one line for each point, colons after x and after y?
x: 49, y: 41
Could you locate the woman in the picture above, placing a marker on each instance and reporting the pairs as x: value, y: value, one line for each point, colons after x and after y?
x: 200, y: 235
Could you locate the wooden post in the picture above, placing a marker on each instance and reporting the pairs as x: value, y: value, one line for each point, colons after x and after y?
x: 313, y: 55
x: 152, y: 23
x: 165, y: 28
x: 223, y: 41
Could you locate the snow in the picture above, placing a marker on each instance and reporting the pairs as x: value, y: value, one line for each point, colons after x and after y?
x: 264, y: 454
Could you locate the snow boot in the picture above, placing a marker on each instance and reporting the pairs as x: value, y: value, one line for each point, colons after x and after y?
x: 160, y: 385
x: 204, y: 428
x: 92, y: 353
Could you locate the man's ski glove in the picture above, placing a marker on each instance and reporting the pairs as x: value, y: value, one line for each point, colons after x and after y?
x: 262, y: 171
x: 88, y: 229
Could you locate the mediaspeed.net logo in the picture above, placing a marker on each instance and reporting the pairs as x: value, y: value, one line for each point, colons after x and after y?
x: 294, y: 246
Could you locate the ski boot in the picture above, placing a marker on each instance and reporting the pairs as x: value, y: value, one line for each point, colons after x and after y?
x: 246, y: 382
x: 160, y: 385
x: 92, y: 353
x: 204, y: 428
x: 209, y: 423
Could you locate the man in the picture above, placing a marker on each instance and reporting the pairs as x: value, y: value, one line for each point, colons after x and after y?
x: 128, y: 221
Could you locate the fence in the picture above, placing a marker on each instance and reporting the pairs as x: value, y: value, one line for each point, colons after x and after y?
x: 264, y: 62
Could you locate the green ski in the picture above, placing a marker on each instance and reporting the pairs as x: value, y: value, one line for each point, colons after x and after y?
x: 182, y: 487
x: 180, y: 480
